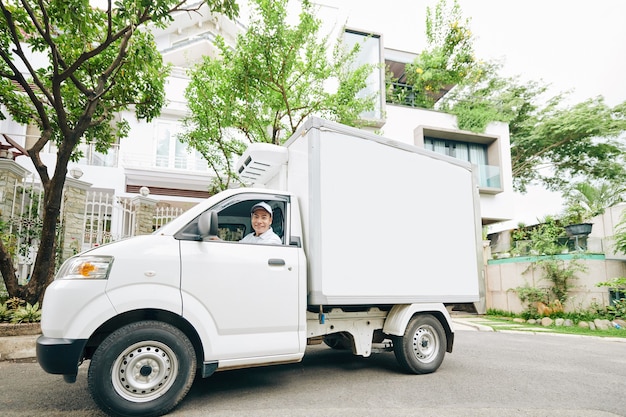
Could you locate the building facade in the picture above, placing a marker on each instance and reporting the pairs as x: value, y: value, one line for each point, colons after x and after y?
x: 151, y: 156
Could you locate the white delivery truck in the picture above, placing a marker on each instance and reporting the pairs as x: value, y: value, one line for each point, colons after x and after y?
x: 376, y: 236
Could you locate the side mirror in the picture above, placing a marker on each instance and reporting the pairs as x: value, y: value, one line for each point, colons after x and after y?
x: 208, y: 225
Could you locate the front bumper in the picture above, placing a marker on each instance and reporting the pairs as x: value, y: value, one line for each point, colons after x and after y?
x: 60, y: 356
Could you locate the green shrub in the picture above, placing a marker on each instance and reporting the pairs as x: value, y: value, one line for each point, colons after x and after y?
x: 530, y: 296
x: 617, y: 282
x: 5, y: 312
x: 27, y: 314
x: 617, y: 310
x: 14, y: 303
x: 13, y: 310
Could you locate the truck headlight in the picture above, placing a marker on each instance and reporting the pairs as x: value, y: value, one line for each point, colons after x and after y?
x: 86, y: 267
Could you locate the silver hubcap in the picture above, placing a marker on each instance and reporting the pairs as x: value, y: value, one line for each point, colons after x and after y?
x: 425, y: 343
x: 144, y: 371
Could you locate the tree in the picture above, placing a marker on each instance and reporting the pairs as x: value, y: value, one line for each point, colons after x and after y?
x: 69, y: 68
x: 276, y: 76
x: 585, y: 201
x: 448, y: 58
x: 551, y: 143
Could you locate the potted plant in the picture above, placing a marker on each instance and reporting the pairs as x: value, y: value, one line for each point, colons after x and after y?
x: 576, y: 220
x: 545, y: 237
x: 585, y: 201
x: 520, y: 239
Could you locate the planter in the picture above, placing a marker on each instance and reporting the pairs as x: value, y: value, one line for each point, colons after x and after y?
x: 20, y: 329
x: 581, y: 229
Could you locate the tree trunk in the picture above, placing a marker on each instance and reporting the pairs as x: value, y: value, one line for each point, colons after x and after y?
x: 8, y: 272
x: 44, y: 268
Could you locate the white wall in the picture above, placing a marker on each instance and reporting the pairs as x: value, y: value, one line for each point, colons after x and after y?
x: 401, y: 122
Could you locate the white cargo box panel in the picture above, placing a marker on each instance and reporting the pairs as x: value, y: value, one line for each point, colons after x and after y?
x: 384, y: 222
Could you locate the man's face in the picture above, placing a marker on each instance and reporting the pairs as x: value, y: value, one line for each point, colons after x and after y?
x: 261, y: 221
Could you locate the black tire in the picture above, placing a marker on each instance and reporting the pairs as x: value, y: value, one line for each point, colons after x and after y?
x: 423, y: 346
x: 163, y: 362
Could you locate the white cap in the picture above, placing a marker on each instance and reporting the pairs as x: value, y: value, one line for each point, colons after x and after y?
x: 262, y: 205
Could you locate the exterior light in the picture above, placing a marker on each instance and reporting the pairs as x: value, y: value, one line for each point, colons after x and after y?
x: 76, y: 172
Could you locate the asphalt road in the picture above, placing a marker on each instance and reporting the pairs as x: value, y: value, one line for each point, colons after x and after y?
x: 488, y: 374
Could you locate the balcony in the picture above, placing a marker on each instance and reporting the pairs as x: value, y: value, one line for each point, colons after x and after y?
x: 188, y: 163
x: 94, y: 158
x: 406, y: 95
x: 402, y: 94
x: 489, y: 179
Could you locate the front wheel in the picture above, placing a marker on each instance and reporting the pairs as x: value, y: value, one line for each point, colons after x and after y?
x: 142, y: 369
x: 423, y: 346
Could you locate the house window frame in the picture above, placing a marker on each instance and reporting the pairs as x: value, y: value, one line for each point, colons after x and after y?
x: 179, y: 155
x: 377, y: 76
x: 492, y: 143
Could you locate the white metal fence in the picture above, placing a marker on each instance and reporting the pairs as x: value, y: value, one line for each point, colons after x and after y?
x: 107, y: 218
x: 164, y: 215
x: 24, y: 226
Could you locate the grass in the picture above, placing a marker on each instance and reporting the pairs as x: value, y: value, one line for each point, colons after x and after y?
x: 574, y: 330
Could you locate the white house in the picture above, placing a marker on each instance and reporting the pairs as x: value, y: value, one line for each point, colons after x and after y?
x: 151, y: 156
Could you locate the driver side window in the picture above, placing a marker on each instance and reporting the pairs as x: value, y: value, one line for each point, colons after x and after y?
x: 235, y: 220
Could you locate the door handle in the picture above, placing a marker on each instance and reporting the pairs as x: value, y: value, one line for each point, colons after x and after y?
x: 276, y: 262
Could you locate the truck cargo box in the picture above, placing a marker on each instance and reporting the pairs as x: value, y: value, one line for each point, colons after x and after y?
x: 384, y: 222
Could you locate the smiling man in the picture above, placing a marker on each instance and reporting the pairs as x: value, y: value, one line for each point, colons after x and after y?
x: 261, y: 219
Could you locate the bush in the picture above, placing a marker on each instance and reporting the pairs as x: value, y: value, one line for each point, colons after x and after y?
x: 5, y: 313
x: 28, y: 314
x: 617, y: 310
x: 13, y: 310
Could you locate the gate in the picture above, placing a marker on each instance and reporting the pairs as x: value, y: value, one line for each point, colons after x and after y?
x: 24, y: 226
x: 164, y: 215
x: 106, y: 218
x: 109, y: 218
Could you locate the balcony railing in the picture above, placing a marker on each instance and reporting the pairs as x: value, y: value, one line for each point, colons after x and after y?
x: 184, y: 162
x: 489, y: 176
x: 94, y: 158
x: 399, y: 93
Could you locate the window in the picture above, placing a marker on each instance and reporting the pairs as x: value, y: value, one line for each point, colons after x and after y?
x: 234, y: 218
x: 475, y: 153
x: 172, y: 153
x: 92, y: 157
x: 369, y: 53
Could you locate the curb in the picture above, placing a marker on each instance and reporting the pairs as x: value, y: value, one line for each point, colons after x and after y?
x: 18, y: 347
x: 473, y: 326
x: 469, y: 324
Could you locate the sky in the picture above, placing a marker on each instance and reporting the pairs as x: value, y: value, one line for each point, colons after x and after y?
x: 572, y: 45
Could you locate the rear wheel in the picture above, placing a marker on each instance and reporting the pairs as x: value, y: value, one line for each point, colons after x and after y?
x: 142, y: 369
x: 423, y: 346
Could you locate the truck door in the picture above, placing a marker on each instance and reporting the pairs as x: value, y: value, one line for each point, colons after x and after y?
x: 250, y: 291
